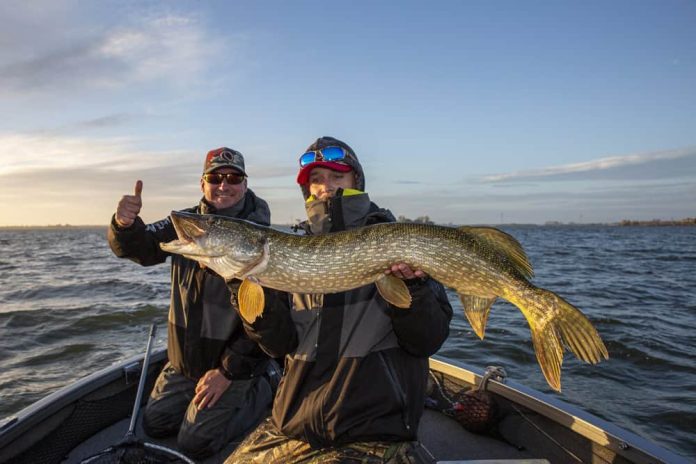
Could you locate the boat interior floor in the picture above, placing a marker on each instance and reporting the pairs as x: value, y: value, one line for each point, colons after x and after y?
x: 445, y: 438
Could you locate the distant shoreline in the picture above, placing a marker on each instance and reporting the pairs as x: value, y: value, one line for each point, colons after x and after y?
x: 54, y: 226
x: 622, y: 223
x: 629, y: 222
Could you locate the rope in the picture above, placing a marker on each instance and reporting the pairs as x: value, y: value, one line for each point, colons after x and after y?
x: 553, y: 440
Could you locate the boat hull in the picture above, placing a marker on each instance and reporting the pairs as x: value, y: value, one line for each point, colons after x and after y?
x: 83, y: 418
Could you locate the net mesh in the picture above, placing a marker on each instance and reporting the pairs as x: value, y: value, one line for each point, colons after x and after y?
x: 136, y: 453
x: 85, y: 418
x: 475, y: 410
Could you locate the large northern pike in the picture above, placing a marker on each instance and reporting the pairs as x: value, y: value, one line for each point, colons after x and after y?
x: 480, y: 263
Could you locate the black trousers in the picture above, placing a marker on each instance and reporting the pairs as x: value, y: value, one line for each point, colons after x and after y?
x: 170, y: 411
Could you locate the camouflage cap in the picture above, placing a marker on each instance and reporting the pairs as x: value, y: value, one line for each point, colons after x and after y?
x: 223, y: 157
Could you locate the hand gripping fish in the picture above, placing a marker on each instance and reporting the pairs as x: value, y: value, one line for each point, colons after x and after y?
x: 480, y: 263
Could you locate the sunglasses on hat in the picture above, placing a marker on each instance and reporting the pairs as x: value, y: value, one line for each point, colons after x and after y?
x: 215, y: 178
x: 325, y: 154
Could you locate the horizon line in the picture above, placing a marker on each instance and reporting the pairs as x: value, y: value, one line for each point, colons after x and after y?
x: 686, y: 220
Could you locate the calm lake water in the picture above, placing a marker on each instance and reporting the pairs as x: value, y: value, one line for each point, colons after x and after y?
x: 68, y: 307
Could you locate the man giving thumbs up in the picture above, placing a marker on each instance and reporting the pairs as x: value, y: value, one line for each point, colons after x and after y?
x: 215, y: 383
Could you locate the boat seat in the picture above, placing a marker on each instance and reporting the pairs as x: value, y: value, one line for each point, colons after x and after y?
x: 449, y: 442
x: 498, y: 461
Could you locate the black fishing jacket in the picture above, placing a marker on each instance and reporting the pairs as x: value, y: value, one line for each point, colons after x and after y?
x: 204, y: 330
x: 356, y: 367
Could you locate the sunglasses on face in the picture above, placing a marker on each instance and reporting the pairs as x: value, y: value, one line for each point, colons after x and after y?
x: 216, y: 178
x: 325, y: 154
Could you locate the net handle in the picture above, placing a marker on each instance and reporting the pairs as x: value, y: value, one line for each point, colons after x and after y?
x: 141, y: 383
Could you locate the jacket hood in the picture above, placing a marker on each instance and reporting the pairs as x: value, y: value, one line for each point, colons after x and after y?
x: 351, y: 160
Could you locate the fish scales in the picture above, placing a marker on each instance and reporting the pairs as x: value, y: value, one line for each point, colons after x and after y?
x: 481, y: 264
x: 340, y: 261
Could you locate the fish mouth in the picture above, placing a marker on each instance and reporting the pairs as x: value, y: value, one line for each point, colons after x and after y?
x: 192, y: 231
x: 193, y: 238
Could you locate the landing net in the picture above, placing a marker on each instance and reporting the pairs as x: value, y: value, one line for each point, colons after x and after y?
x: 137, y: 452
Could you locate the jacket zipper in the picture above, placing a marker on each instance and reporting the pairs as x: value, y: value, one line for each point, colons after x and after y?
x: 397, y: 389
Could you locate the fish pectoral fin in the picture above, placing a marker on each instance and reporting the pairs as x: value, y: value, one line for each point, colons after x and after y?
x: 394, y: 290
x: 251, y: 300
x: 476, y: 310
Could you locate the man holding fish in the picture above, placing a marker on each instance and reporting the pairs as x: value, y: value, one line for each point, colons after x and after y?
x: 356, y: 367
x: 215, y: 382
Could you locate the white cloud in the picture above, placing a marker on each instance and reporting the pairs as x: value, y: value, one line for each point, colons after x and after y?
x: 63, y: 179
x: 167, y: 49
x: 585, y: 169
x: 584, y: 202
x: 21, y: 153
x: 175, y: 48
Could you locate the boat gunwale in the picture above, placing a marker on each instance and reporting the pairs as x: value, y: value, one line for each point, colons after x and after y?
x: 611, y: 436
x: 16, y: 424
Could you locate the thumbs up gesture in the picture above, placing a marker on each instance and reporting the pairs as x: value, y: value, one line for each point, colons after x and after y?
x: 129, y: 207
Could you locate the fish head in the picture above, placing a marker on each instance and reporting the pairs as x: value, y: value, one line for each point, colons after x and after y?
x: 230, y: 247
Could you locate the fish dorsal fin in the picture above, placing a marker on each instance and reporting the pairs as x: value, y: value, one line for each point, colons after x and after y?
x: 476, y: 310
x: 251, y: 299
x: 506, y: 244
x: 394, y: 290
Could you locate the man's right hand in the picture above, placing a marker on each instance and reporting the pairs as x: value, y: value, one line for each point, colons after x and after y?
x: 129, y: 207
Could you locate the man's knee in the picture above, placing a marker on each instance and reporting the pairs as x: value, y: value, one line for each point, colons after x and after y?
x: 196, y: 446
x: 167, y: 404
x: 158, y: 425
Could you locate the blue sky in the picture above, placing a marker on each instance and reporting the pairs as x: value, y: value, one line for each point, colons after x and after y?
x: 467, y: 111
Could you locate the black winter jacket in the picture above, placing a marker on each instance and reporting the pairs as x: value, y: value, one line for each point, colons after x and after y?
x: 204, y: 330
x: 356, y: 368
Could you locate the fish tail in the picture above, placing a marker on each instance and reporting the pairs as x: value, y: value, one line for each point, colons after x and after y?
x: 556, y: 325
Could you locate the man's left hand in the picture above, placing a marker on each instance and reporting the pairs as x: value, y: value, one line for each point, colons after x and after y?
x: 404, y: 271
x: 210, y: 388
